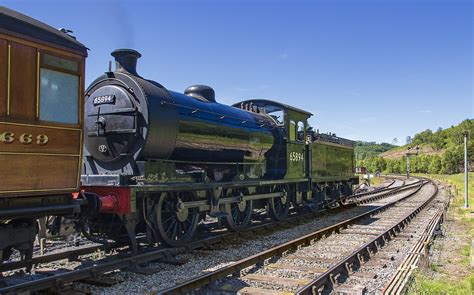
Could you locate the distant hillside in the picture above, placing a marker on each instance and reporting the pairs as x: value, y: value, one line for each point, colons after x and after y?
x: 434, y: 143
x: 399, y: 152
x: 440, y: 152
x: 365, y: 150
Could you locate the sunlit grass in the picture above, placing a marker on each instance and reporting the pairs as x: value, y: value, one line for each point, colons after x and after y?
x: 463, y: 218
x: 429, y: 286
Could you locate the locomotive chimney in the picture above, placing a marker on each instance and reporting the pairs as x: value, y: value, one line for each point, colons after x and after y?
x: 126, y: 60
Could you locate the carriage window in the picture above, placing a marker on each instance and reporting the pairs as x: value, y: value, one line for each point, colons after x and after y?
x: 59, y: 90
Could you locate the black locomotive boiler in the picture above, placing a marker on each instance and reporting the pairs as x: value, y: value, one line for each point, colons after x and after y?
x: 157, y: 161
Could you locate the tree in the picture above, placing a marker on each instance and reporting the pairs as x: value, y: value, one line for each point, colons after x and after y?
x: 424, y: 164
x: 395, y: 141
x: 403, y: 165
x: 408, y: 140
x: 435, y: 165
x: 394, y: 166
x: 452, y: 160
x: 423, y: 137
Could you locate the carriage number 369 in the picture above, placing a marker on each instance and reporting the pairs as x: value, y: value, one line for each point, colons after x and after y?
x: 24, y: 138
x: 296, y: 157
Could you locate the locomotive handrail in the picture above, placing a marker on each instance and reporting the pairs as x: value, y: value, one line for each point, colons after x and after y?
x: 195, y: 110
x: 210, y: 163
x: 115, y: 111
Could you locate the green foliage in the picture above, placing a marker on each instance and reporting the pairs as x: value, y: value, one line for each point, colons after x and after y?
x: 365, y: 151
x: 435, y: 165
x: 428, y: 286
x: 447, y: 138
x: 434, y: 267
x: 446, y: 282
x: 449, y: 142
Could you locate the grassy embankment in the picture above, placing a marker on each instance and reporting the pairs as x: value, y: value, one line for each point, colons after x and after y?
x: 452, y: 273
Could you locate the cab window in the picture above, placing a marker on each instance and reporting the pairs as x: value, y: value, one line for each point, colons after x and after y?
x: 59, y: 90
x: 278, y: 115
x: 300, y: 131
x: 292, y: 129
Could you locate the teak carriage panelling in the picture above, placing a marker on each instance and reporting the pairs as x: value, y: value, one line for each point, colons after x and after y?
x: 3, y: 76
x: 28, y: 167
x: 59, y: 140
x: 19, y: 173
x: 23, y: 67
x: 12, y: 36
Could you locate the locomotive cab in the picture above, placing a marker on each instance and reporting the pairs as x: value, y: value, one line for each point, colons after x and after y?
x: 287, y: 158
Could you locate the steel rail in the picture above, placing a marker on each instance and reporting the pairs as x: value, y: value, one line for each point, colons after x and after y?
x: 50, y: 257
x: 377, y: 190
x: 344, y: 267
x: 256, y: 259
x: 73, y: 254
x: 58, y: 281
x: 399, y: 281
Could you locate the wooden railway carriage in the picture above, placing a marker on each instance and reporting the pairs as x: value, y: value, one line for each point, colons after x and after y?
x: 41, y: 90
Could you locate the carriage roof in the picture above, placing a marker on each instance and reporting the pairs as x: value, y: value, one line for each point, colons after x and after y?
x: 15, y: 23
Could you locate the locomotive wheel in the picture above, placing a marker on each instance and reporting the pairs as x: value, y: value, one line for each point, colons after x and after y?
x: 238, y: 214
x: 278, y: 208
x: 176, y: 224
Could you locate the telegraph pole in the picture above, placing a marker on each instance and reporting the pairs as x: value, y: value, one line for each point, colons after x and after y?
x: 466, y: 196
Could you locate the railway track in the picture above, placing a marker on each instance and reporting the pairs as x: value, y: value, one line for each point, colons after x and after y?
x: 319, y: 262
x: 58, y: 281
x: 88, y: 249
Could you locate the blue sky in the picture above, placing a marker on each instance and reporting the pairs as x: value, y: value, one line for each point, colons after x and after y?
x: 369, y: 69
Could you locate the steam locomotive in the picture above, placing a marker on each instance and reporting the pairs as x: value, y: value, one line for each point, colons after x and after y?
x: 156, y: 161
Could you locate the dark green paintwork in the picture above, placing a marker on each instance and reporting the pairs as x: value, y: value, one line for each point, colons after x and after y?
x: 331, y: 161
x: 295, y: 151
